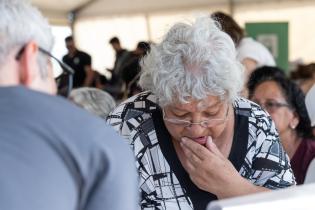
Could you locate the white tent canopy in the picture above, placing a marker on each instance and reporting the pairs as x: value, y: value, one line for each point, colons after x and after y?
x: 58, y: 11
x: 119, y: 7
x: 134, y: 20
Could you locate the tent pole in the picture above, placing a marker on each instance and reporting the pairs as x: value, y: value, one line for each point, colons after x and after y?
x: 231, y: 7
x: 147, y: 21
x: 73, y: 14
x: 71, y: 18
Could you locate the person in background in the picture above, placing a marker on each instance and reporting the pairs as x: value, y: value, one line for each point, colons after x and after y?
x: 250, y: 53
x: 121, y: 56
x: 115, y: 85
x: 80, y: 62
x: 131, y: 70
x: 194, y: 139
x: 53, y: 155
x: 284, y: 101
x: 310, y: 106
x: 93, y: 100
x: 304, y: 76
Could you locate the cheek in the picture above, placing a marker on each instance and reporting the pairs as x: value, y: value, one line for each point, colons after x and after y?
x: 217, y: 131
x: 52, y: 82
x: 276, y: 117
x: 282, y: 119
x: 175, y: 131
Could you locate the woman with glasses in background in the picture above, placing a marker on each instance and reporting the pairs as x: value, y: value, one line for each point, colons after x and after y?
x: 194, y: 140
x: 285, y: 102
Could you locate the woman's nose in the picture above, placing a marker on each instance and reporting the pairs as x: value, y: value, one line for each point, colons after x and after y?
x: 196, y: 129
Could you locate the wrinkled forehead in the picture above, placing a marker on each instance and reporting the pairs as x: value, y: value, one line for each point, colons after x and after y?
x: 198, y: 105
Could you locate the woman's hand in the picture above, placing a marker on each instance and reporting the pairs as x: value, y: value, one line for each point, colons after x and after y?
x: 211, y: 171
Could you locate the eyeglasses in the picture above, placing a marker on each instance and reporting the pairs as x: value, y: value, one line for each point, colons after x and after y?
x: 272, y: 106
x: 205, y: 123
x: 65, y: 68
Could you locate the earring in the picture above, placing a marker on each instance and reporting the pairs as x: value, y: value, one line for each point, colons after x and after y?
x: 292, y: 126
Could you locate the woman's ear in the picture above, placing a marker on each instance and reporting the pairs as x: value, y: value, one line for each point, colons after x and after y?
x: 294, y: 121
x: 29, y: 69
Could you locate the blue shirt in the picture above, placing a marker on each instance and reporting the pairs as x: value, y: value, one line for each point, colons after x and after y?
x: 56, y: 156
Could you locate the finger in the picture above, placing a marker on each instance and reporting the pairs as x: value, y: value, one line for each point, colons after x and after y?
x: 197, y: 149
x: 212, y: 147
x: 190, y: 156
x: 208, y: 143
x: 189, y: 167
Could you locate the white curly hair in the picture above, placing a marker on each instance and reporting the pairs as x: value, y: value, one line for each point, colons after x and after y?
x: 192, y: 62
x: 94, y: 100
x: 20, y: 23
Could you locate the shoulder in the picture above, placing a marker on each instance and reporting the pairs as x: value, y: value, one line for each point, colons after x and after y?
x: 266, y: 163
x: 255, y: 50
x: 260, y: 125
x: 250, y: 109
x: 310, y: 146
x: 133, y: 117
x: 249, y: 42
x: 249, y: 45
x: 83, y: 132
x: 83, y: 54
x: 139, y: 104
x: 65, y: 57
x: 58, y: 119
x: 142, y: 104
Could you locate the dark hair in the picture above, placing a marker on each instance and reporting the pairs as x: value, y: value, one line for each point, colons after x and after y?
x: 303, y: 72
x: 229, y: 26
x: 69, y: 38
x: 292, y: 93
x: 114, y: 40
x: 145, y: 46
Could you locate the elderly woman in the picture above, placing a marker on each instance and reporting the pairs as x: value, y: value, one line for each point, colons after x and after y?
x: 284, y: 101
x: 194, y: 140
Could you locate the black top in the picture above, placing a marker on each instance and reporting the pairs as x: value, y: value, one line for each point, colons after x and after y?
x: 78, y: 62
x: 200, y: 198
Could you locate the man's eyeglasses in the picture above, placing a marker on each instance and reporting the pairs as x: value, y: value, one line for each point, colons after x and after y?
x: 205, y: 123
x: 64, y: 67
x: 272, y: 106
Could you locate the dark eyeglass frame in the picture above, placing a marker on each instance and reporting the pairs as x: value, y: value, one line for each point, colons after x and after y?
x: 65, y: 68
x: 271, y: 106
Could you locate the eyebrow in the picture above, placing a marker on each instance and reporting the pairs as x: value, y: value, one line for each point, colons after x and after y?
x: 182, y: 110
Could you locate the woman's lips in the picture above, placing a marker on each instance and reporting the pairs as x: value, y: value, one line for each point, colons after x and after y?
x: 201, y: 140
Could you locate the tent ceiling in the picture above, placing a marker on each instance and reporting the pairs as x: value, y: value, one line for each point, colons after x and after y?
x: 92, y: 8
x: 59, y: 5
x: 57, y: 10
x: 110, y: 7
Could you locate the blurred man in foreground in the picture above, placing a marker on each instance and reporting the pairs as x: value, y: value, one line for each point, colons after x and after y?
x: 53, y: 155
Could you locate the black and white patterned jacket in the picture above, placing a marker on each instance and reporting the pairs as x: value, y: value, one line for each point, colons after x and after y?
x: 256, y: 153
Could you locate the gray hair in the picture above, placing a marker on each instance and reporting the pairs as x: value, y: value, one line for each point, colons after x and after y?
x: 93, y: 100
x: 192, y: 62
x: 21, y: 23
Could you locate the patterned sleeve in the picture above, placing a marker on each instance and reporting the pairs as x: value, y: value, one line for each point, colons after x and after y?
x: 270, y: 163
x: 127, y: 117
x: 116, y: 120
